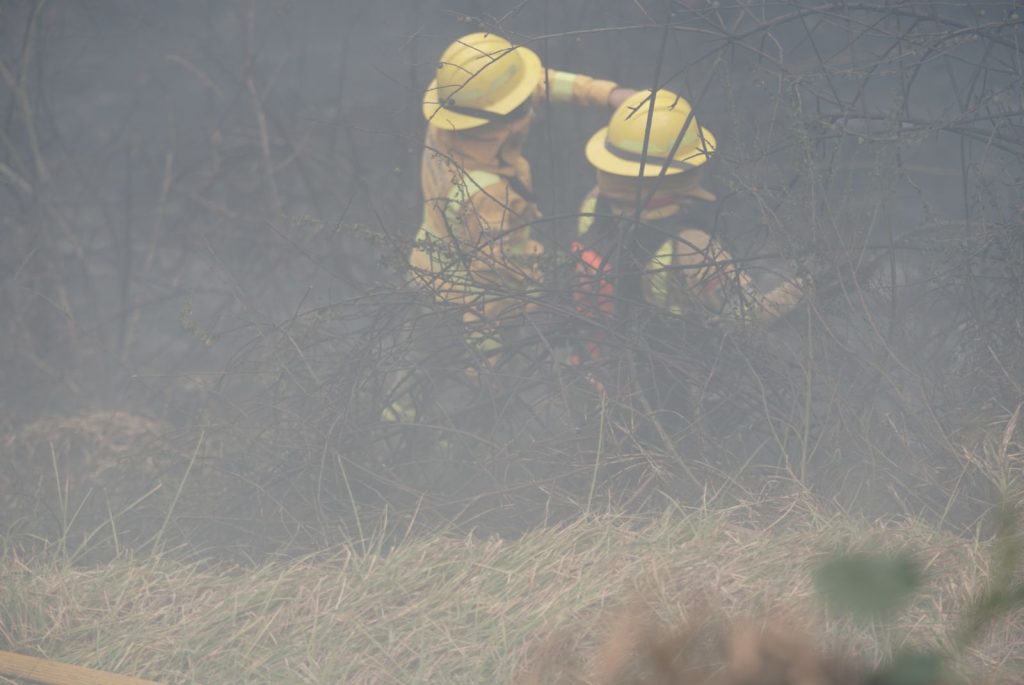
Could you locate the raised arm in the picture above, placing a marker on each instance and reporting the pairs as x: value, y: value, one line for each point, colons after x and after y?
x: 579, y: 89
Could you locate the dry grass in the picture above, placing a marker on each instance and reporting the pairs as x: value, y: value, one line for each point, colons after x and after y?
x: 466, y: 610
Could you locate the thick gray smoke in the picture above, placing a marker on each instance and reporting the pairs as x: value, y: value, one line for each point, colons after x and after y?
x: 205, y: 211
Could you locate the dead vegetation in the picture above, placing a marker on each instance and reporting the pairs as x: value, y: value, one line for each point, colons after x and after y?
x: 606, y: 599
x: 199, y: 257
x: 218, y: 267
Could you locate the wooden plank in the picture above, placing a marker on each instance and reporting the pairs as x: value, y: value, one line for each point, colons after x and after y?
x: 56, y: 673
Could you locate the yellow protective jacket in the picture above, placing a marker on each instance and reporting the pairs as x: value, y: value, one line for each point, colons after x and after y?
x: 474, y: 243
x: 690, y: 272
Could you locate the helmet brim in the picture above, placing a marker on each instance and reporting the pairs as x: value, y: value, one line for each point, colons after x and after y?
x: 600, y: 157
x: 438, y: 115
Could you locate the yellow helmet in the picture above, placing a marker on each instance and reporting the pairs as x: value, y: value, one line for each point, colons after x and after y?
x: 481, y: 78
x: 619, y: 147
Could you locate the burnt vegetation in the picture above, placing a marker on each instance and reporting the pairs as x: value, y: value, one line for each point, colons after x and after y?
x: 207, y: 210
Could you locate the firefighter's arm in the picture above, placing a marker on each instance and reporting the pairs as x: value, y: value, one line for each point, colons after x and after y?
x: 579, y: 89
x: 764, y: 307
x: 725, y: 289
x: 504, y: 265
x: 496, y: 221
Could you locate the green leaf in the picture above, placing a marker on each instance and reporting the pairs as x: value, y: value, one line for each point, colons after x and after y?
x: 910, y: 668
x: 867, y: 585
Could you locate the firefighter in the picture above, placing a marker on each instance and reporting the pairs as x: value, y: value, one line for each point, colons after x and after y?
x: 670, y: 263
x: 640, y: 247
x: 474, y: 248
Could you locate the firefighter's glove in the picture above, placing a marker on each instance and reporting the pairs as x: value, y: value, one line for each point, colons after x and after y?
x: 832, y: 277
x: 815, y: 269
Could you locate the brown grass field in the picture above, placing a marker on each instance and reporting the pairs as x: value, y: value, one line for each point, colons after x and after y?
x: 586, y: 602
